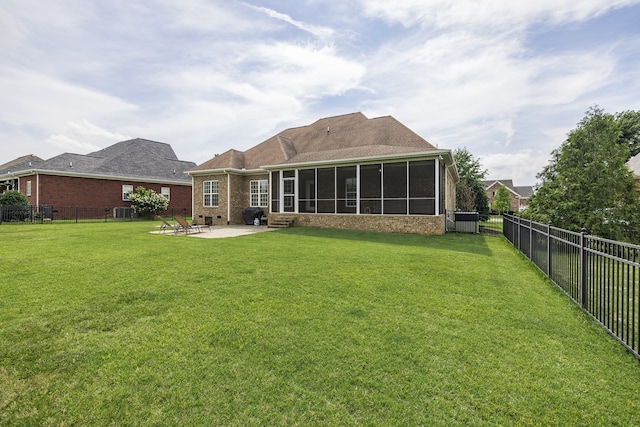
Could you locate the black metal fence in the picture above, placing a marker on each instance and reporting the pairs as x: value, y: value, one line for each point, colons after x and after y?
x: 46, y: 214
x: 602, y: 276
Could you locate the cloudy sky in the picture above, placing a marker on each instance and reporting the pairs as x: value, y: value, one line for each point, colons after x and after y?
x: 505, y: 79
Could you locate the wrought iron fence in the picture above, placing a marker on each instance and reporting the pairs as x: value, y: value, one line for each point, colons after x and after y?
x: 602, y: 276
x: 45, y: 214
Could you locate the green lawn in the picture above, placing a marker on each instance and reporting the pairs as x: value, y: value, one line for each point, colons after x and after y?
x: 106, y: 324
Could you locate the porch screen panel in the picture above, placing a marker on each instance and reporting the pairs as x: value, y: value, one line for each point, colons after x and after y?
x: 422, y: 187
x: 346, y: 189
x: 275, y: 191
x: 326, y: 190
x: 307, y: 190
x: 395, y: 188
x: 371, y: 189
x: 442, y: 188
x: 289, y: 191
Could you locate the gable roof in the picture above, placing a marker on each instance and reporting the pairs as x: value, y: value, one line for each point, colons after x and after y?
x: 136, y: 158
x: 349, y: 136
x: 521, y: 191
x: 20, y: 163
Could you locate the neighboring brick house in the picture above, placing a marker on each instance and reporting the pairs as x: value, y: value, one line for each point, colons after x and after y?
x: 100, y: 180
x: 634, y: 165
x: 340, y: 172
x: 518, y: 196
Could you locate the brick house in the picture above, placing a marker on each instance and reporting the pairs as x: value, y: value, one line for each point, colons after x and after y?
x: 518, y: 196
x: 346, y: 171
x: 100, y: 180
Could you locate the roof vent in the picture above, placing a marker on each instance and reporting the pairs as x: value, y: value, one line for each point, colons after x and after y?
x: 328, y: 129
x: 70, y: 164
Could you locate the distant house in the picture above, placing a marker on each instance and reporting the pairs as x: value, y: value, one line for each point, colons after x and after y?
x: 518, y: 196
x: 103, y: 178
x: 346, y: 171
x: 634, y: 165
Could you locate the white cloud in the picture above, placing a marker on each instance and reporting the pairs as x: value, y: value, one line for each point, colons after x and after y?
x: 495, y: 15
x: 318, y: 31
x: 520, y: 166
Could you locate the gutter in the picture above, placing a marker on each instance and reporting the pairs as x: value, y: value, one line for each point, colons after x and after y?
x: 94, y: 176
x: 444, y: 156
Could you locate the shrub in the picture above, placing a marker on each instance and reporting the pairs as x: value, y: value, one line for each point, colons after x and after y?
x: 13, y: 198
x: 147, y: 202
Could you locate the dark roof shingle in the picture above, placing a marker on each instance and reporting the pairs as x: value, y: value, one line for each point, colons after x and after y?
x: 347, y: 136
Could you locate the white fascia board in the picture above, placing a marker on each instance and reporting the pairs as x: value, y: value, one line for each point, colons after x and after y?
x: 446, y: 154
x: 231, y: 171
x: 91, y: 176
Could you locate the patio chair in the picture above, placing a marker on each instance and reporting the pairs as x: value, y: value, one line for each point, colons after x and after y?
x: 186, y: 227
x: 167, y: 226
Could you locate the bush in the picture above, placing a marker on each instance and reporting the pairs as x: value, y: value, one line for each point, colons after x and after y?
x: 13, y: 198
x: 147, y: 202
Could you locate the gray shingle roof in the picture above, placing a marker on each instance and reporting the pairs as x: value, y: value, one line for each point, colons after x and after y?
x: 135, y: 158
x: 24, y: 162
x: 525, y: 191
x: 348, y: 136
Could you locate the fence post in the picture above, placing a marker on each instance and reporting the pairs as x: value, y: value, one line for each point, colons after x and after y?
x: 549, y: 250
x: 531, y: 240
x: 583, y: 269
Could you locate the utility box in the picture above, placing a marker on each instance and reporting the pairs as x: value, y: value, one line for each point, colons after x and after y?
x: 467, y: 222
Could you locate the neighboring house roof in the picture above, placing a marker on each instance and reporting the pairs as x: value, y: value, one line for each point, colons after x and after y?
x: 349, y: 136
x: 634, y: 164
x: 136, y: 158
x: 20, y: 163
x: 522, y: 191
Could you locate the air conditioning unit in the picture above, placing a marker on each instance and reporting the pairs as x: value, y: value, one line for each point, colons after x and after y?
x: 123, y: 212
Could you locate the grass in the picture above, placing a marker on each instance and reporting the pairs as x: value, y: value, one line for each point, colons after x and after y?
x: 494, y: 223
x: 105, y: 324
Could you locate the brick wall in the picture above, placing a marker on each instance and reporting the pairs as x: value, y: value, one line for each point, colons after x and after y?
x: 95, y: 193
x: 427, y: 225
x: 514, y: 201
x: 238, y: 197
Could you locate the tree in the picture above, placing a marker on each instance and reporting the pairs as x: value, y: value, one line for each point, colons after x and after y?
x: 587, y: 183
x: 629, y: 122
x: 147, y: 201
x: 13, y: 198
x: 470, y: 191
x: 501, y: 201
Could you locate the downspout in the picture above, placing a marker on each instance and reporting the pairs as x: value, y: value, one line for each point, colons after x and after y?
x: 437, y: 186
x: 37, y: 189
x: 228, y: 198
x: 193, y: 201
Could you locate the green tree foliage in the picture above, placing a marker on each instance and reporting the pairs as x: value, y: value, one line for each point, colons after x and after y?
x: 470, y: 191
x: 13, y: 198
x: 147, y: 202
x: 501, y: 201
x: 629, y: 122
x: 587, y: 183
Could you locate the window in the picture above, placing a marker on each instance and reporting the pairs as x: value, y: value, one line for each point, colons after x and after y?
x: 259, y: 193
x: 28, y: 188
x: 210, y: 193
x: 166, y: 192
x: 126, y: 189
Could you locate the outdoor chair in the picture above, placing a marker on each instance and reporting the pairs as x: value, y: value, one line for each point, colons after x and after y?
x: 167, y: 226
x: 186, y: 227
